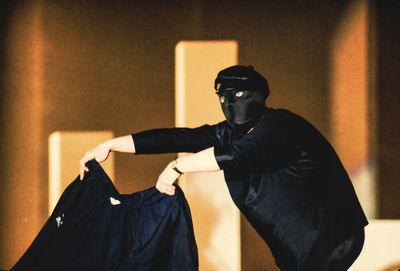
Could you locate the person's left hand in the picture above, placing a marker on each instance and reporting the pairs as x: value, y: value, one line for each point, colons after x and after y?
x: 165, y: 182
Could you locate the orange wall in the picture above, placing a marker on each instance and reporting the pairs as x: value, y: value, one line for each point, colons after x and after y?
x: 23, y: 198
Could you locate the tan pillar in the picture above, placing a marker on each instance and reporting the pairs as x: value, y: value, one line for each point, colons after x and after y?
x: 216, y: 220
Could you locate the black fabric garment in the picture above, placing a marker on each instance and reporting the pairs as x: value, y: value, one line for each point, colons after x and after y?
x: 284, y: 177
x: 93, y: 227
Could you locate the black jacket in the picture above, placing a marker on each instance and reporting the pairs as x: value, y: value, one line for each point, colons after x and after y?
x: 284, y: 177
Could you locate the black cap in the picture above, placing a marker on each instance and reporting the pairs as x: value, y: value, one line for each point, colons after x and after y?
x: 241, y: 78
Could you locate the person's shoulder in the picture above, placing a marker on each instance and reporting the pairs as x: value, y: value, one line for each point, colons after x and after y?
x: 284, y: 119
x: 292, y: 122
x: 279, y: 114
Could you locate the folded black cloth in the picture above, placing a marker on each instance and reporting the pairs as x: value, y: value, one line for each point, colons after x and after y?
x: 93, y: 227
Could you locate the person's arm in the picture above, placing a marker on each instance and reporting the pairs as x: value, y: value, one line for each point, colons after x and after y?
x: 203, y: 161
x: 166, y: 140
x: 241, y: 152
x: 199, y: 140
x: 265, y: 141
x: 101, y: 151
x: 198, y: 162
x: 174, y: 140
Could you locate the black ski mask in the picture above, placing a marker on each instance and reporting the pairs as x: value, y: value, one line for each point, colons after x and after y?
x: 242, y: 93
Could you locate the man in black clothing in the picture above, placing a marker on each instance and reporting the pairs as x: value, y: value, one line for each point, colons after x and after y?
x: 281, y: 173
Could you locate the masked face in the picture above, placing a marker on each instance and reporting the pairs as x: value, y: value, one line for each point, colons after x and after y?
x: 241, y: 107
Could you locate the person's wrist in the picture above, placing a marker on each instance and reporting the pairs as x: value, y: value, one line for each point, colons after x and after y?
x: 174, y: 166
x: 109, y: 145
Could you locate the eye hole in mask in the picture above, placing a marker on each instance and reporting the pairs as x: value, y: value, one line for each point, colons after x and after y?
x: 238, y: 94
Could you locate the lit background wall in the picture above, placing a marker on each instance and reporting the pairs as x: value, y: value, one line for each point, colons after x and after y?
x: 109, y: 65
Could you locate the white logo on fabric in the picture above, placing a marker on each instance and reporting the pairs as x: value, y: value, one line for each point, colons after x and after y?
x: 59, y: 220
x: 114, y: 201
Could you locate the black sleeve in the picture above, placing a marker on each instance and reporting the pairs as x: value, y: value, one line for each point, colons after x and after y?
x: 266, y: 142
x: 173, y: 140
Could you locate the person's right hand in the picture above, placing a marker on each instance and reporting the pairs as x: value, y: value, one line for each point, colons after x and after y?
x: 100, y: 153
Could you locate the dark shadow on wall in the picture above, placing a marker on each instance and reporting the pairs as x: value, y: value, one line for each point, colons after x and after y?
x: 388, y: 108
x: 6, y: 10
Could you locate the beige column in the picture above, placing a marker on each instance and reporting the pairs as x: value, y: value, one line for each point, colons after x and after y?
x: 216, y: 220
